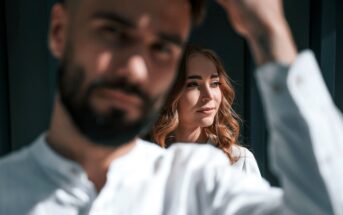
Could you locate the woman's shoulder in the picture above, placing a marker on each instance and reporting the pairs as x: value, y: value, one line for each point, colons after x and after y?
x: 246, y: 161
x: 242, y: 152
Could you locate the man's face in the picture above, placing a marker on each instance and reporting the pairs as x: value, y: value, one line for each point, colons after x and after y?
x: 118, y: 61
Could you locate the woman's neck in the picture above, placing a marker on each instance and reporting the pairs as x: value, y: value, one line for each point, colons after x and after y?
x: 190, y: 135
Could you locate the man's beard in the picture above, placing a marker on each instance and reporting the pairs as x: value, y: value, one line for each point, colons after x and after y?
x: 111, y: 128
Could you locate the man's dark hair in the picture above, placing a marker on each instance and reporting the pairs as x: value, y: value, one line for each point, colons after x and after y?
x: 198, y: 9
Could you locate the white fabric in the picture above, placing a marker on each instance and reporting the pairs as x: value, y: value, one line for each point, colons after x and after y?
x: 246, y: 161
x: 306, y: 139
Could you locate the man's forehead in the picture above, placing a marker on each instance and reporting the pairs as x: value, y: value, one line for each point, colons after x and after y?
x: 162, y: 15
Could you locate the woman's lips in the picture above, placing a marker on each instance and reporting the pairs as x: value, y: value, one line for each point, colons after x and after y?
x: 206, y: 110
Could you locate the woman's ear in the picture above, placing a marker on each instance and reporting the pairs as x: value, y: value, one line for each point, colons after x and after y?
x: 58, y: 30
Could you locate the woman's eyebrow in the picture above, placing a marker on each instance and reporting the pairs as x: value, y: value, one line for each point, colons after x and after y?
x: 215, y: 75
x: 198, y: 77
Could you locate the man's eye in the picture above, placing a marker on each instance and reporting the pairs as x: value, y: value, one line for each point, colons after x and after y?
x: 162, y: 52
x: 116, y: 34
x: 162, y: 47
x: 110, y: 29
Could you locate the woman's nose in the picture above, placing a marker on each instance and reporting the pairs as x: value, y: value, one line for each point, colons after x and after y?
x: 206, y: 94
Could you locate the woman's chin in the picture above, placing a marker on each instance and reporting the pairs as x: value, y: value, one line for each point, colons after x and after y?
x: 206, y: 123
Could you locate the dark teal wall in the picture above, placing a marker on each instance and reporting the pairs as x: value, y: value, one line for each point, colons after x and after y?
x: 4, y: 100
x: 339, y: 55
x: 28, y: 70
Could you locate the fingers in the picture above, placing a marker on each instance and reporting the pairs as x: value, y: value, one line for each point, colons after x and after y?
x: 223, y: 3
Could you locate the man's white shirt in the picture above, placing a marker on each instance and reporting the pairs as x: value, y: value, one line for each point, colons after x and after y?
x: 306, y: 151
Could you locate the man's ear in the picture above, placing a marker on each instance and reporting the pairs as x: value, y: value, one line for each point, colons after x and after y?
x: 58, y: 30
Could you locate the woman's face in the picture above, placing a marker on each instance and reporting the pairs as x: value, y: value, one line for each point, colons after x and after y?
x: 201, y: 96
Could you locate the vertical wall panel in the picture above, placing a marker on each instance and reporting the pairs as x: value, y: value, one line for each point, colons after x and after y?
x: 323, y: 38
x: 255, y: 131
x: 4, y: 98
x: 339, y: 55
x: 28, y: 66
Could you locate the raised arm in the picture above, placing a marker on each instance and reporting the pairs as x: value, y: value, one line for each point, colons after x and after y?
x: 306, y: 129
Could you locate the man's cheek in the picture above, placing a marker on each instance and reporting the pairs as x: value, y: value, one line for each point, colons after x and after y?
x: 166, y: 82
x: 159, y: 103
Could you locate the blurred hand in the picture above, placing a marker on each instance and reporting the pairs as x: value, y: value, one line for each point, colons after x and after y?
x: 251, y: 18
x: 263, y: 24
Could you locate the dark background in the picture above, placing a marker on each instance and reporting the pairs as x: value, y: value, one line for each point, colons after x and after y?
x: 27, y: 70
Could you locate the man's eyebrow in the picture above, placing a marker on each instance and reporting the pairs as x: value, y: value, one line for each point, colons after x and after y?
x: 173, y: 38
x: 114, y: 17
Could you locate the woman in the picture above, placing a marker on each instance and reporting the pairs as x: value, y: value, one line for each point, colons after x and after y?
x: 199, y: 109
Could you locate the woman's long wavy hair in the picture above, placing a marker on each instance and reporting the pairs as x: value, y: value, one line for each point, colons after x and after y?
x: 224, y: 131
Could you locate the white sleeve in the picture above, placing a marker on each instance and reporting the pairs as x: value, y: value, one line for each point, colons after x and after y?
x: 306, y: 136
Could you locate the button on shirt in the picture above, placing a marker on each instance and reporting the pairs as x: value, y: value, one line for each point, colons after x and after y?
x: 189, y: 179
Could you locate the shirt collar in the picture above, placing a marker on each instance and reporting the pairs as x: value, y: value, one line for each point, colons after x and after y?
x: 65, y: 172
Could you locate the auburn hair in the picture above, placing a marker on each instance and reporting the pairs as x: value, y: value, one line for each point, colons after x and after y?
x: 224, y: 131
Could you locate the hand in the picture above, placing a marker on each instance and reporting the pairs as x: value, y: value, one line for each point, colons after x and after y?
x: 263, y: 24
x: 252, y: 18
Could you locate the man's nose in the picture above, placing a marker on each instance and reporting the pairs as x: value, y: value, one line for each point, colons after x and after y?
x: 137, y: 68
x: 133, y: 67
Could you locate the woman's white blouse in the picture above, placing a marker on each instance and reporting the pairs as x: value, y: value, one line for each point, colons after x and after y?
x: 246, y: 161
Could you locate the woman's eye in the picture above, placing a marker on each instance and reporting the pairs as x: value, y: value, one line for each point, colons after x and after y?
x: 192, y: 85
x: 215, y: 84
